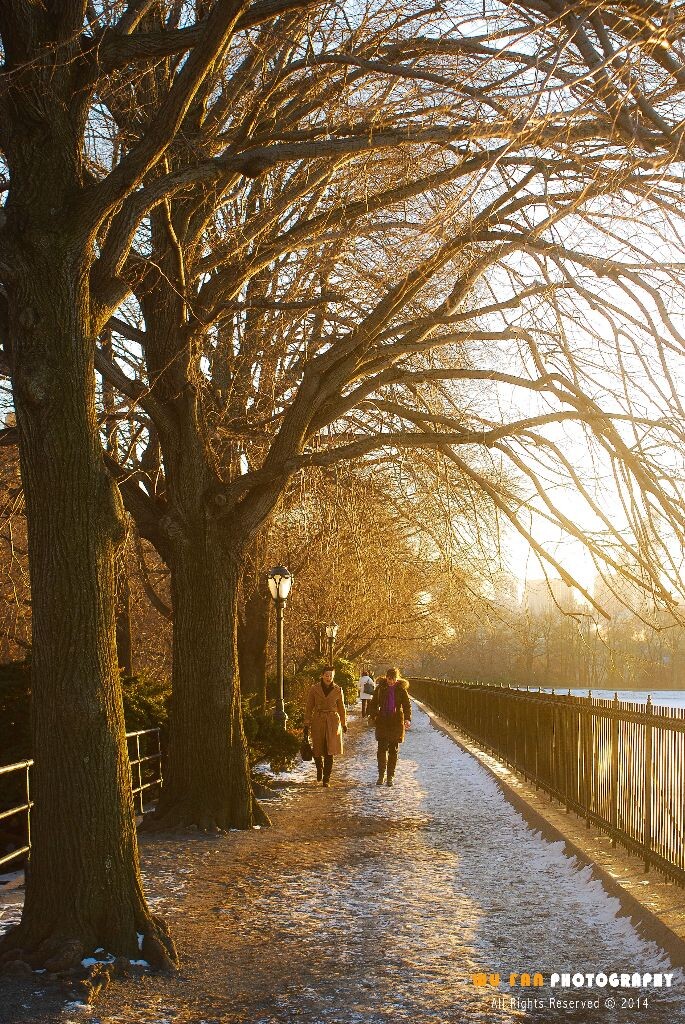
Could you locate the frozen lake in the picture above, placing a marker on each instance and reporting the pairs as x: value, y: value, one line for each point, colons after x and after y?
x: 666, y: 698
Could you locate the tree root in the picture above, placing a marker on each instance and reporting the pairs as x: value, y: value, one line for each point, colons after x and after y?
x: 58, y: 953
x: 62, y: 954
x: 260, y: 816
x: 183, y: 816
x: 158, y: 947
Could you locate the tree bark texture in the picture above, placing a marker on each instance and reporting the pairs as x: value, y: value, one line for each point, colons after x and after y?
x: 253, y: 640
x: 207, y: 784
x: 123, y: 619
x: 83, y: 884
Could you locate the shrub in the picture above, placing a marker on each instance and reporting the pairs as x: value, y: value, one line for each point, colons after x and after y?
x: 15, y: 711
x: 146, y: 706
x: 146, y: 703
x: 266, y: 738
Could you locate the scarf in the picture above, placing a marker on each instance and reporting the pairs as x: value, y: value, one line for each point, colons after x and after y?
x: 327, y: 689
x: 390, y: 700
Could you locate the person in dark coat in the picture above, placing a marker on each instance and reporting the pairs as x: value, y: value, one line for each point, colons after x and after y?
x: 391, y: 710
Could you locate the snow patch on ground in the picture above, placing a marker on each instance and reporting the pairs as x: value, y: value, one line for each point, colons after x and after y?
x: 303, y: 772
x: 12, y: 876
x: 300, y: 772
x: 90, y: 961
x: 10, y: 914
x: 161, y: 889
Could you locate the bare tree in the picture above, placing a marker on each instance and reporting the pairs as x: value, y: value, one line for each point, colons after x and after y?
x: 63, y: 201
x: 217, y: 249
x: 464, y: 195
x: 405, y: 243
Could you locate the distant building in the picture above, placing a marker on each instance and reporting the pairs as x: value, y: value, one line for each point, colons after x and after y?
x: 540, y: 597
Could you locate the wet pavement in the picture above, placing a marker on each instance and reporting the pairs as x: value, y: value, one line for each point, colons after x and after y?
x: 366, y: 905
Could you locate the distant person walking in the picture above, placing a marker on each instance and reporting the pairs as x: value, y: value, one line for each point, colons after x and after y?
x: 325, y: 722
x: 366, y: 691
x: 391, y: 710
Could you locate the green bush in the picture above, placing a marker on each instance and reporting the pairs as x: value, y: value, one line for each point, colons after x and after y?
x: 267, y: 740
x: 146, y: 706
x: 15, y: 712
x: 146, y: 703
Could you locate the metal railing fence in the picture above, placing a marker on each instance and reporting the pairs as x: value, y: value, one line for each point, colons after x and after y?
x: 24, y: 808
x: 619, y: 764
x: 145, y: 756
x: 146, y: 766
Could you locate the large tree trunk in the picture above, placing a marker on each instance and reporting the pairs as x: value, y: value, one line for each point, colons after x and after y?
x: 253, y: 642
x: 83, y: 885
x: 123, y: 590
x: 123, y: 619
x: 207, y: 784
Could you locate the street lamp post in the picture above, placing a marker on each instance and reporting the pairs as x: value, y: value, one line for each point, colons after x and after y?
x: 331, y: 633
x: 280, y: 581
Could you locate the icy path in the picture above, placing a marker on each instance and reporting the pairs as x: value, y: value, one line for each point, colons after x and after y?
x: 366, y: 905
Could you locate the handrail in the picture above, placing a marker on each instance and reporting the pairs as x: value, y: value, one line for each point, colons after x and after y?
x: 143, y: 780
x: 616, y: 763
x: 20, y: 766
x: 6, y: 768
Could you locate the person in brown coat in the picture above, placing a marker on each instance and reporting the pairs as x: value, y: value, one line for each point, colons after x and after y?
x: 391, y: 711
x: 325, y: 722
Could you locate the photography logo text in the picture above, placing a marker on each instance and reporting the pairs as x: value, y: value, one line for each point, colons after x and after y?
x: 574, y: 980
x: 565, y: 982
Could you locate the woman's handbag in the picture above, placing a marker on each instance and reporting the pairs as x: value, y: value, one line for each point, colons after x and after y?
x: 306, y: 752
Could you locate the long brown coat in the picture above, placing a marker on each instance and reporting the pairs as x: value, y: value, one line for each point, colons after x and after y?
x: 390, y: 728
x: 325, y: 716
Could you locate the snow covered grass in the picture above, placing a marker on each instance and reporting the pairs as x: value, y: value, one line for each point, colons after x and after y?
x: 301, y: 772
x: 10, y: 913
x: 11, y: 878
x: 105, y: 958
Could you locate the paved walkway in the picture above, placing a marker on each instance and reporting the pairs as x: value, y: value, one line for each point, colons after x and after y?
x: 366, y: 905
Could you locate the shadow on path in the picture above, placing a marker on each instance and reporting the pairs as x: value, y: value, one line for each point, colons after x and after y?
x: 365, y: 905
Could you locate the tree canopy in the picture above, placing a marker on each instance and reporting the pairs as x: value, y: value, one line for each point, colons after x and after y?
x: 441, y: 244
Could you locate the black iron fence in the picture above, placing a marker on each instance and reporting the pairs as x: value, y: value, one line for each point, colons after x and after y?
x: 145, y: 755
x: 619, y: 764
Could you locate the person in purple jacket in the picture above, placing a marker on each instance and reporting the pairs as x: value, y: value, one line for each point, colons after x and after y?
x: 391, y: 711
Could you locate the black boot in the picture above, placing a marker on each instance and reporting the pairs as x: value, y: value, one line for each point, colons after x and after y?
x: 318, y: 761
x: 382, y: 762
x: 392, y: 764
x: 327, y: 769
